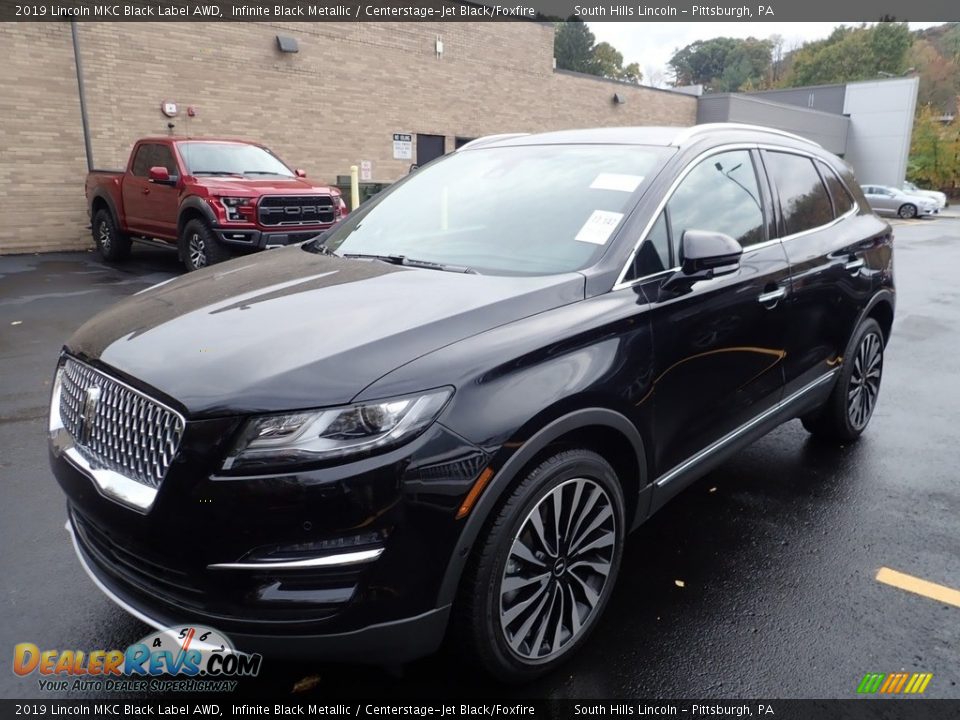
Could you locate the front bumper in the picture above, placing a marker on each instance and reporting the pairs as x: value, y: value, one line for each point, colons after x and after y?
x: 202, y: 552
x: 260, y: 240
x: 397, y: 641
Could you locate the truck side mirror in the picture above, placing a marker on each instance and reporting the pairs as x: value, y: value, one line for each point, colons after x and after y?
x: 161, y: 176
x: 300, y: 172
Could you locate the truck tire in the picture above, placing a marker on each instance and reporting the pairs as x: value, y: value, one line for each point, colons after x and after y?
x: 199, y: 246
x: 112, y: 244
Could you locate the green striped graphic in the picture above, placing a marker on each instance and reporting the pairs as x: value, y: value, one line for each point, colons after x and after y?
x: 871, y: 682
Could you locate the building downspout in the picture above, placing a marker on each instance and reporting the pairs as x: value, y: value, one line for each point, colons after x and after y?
x: 83, y: 100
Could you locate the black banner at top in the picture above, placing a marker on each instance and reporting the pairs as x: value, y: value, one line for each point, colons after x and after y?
x: 453, y: 11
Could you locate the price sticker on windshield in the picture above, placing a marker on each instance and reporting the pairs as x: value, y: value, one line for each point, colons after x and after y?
x: 598, y: 227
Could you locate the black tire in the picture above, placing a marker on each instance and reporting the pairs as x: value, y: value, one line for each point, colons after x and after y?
x: 907, y: 211
x: 486, y: 615
x: 847, y: 412
x: 199, y: 246
x: 112, y: 244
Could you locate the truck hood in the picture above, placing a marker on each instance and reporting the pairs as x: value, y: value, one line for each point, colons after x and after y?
x: 289, y: 329
x: 222, y: 185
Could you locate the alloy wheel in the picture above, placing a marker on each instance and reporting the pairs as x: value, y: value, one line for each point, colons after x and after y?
x: 908, y: 211
x: 104, y: 235
x: 864, y: 384
x: 557, y: 569
x: 198, y: 251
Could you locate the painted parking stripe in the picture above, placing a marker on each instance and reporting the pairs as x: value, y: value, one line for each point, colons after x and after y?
x: 940, y: 593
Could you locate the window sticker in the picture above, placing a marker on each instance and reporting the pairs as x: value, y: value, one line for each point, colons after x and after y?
x: 616, y: 181
x: 598, y: 227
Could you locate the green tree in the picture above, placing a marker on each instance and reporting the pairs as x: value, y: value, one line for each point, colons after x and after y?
x: 573, y: 46
x: 723, y: 64
x: 574, y: 49
x: 934, y: 151
x: 851, y: 53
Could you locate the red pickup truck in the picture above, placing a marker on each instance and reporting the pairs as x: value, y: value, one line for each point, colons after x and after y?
x: 210, y: 198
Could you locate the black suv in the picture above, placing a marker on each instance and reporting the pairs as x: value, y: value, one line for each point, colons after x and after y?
x: 445, y: 414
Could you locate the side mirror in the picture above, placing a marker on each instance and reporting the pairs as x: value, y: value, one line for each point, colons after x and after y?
x: 161, y: 176
x: 300, y: 172
x: 706, y: 255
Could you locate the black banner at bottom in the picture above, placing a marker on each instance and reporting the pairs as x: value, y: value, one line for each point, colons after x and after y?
x: 207, y: 707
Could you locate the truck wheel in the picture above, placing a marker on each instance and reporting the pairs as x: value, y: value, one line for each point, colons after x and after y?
x: 544, y: 571
x: 199, y: 247
x: 112, y: 244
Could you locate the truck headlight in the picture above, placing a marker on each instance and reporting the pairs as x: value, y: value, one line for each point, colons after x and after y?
x: 237, y: 209
x: 316, y: 435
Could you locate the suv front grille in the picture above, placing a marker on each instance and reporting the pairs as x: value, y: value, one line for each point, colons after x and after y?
x: 276, y: 210
x: 116, y: 427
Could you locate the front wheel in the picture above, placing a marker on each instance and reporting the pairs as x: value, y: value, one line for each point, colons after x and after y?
x: 199, y: 247
x: 847, y: 412
x: 543, y: 573
x: 907, y: 211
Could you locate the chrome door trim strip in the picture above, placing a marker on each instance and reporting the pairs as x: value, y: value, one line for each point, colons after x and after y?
x: 734, y: 434
x: 352, y: 558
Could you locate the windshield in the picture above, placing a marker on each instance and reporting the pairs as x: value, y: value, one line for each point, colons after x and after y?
x: 218, y: 158
x: 525, y: 210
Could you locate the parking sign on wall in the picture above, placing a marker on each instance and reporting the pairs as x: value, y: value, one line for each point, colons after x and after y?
x: 402, y: 146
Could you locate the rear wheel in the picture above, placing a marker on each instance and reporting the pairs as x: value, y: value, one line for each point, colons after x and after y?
x: 847, y: 412
x: 907, y: 211
x: 544, y: 571
x: 112, y: 244
x: 199, y: 247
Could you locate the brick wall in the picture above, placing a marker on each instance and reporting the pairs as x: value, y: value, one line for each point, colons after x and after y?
x: 336, y: 102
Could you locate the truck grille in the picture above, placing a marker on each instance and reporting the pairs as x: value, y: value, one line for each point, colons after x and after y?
x: 117, y: 428
x: 275, y: 210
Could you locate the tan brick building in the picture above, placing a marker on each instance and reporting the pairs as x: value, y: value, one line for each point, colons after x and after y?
x: 337, y: 101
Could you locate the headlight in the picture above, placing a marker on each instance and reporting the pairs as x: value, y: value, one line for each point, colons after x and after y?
x: 315, y: 435
x: 237, y: 208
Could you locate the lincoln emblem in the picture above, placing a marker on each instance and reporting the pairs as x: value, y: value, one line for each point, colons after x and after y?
x: 88, y: 413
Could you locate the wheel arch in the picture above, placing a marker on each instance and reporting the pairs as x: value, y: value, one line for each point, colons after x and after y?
x: 102, y: 201
x: 194, y: 209
x: 607, y: 432
x: 880, y: 308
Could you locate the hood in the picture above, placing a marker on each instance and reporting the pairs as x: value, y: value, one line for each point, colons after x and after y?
x: 262, y: 186
x: 288, y: 329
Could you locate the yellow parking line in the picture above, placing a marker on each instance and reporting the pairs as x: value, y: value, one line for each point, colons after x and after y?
x: 940, y: 593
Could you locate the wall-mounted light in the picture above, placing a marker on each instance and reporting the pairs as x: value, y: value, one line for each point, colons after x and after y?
x: 618, y: 99
x: 287, y: 44
x: 439, y: 47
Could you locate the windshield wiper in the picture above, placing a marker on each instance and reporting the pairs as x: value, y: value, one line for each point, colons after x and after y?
x: 412, y: 262
x: 213, y: 172
x: 261, y: 172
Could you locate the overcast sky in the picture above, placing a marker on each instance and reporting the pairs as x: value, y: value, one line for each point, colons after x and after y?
x: 653, y: 44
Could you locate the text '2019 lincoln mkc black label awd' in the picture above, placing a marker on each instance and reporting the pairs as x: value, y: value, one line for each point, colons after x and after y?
x: 444, y: 415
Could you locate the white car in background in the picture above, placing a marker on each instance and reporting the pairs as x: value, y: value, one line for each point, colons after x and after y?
x: 887, y: 200
x: 941, y: 198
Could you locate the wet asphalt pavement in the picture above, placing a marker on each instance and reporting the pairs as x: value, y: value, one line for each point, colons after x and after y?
x: 777, y: 551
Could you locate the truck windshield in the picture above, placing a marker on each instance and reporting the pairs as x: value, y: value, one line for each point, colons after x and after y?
x: 220, y: 158
x: 522, y: 210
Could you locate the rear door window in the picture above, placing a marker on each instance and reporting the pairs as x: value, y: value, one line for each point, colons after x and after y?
x: 804, y: 202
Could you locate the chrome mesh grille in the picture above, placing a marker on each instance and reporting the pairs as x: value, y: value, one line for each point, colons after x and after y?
x: 125, y: 432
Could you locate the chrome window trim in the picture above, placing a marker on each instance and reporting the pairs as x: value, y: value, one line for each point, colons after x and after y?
x: 673, y: 473
x: 351, y: 558
x: 621, y: 284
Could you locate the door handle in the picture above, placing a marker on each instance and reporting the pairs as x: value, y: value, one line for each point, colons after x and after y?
x: 773, y: 296
x: 854, y: 265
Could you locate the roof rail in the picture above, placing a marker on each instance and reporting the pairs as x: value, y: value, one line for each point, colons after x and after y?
x: 489, y: 139
x: 691, y: 132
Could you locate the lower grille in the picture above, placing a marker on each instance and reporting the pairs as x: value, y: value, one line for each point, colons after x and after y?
x: 276, y: 210
x: 116, y: 427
